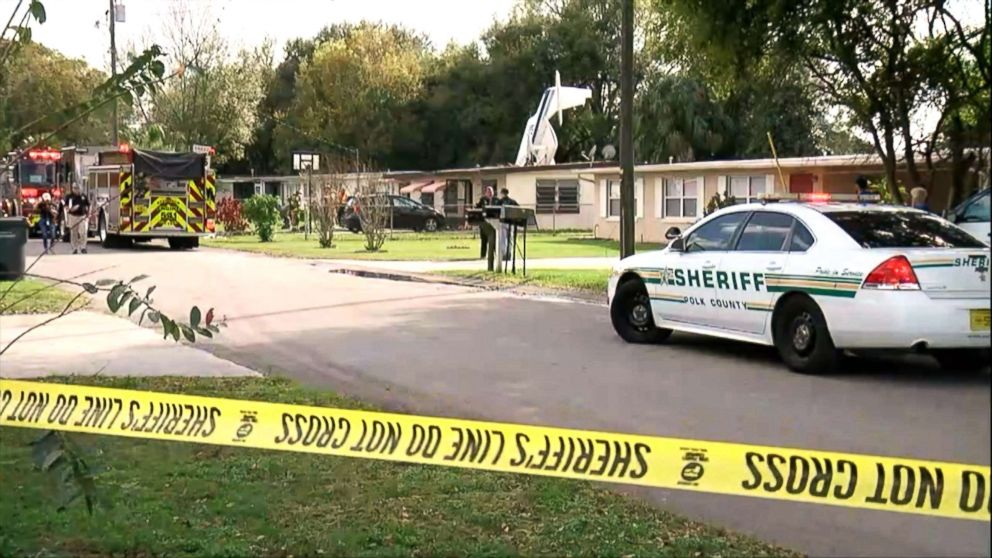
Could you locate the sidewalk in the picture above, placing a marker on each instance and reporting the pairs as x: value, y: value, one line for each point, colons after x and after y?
x: 88, y: 343
x: 430, y: 266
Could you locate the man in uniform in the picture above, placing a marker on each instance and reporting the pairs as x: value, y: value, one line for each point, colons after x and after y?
x: 78, y: 210
x: 486, y: 231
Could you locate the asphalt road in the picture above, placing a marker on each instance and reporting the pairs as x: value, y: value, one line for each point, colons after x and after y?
x: 453, y: 351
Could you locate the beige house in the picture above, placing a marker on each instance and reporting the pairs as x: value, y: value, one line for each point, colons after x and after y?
x: 562, y: 196
x: 586, y: 196
x: 677, y: 194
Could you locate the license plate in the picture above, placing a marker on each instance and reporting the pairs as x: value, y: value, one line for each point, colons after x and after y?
x: 981, y: 320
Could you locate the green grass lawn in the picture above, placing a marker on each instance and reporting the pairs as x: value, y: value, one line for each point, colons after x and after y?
x: 577, y: 279
x: 414, y: 246
x: 30, y: 296
x: 171, y: 499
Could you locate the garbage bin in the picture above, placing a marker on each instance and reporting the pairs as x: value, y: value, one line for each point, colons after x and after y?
x: 13, y: 239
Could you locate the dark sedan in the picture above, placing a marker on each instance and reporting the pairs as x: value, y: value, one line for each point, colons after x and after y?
x: 407, y: 214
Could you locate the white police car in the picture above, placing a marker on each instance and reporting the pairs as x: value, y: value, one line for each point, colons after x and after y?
x: 813, y: 278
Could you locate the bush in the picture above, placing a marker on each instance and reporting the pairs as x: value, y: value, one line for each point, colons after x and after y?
x: 718, y: 202
x: 230, y: 216
x: 263, y: 212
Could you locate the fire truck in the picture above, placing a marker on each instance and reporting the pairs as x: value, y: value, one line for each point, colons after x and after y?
x: 141, y: 195
x: 35, y: 173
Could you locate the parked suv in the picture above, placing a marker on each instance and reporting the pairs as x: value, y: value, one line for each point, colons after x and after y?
x: 972, y: 215
x: 407, y: 214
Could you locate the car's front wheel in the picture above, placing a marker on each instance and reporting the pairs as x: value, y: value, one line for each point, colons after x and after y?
x: 963, y: 360
x: 632, y: 317
x: 802, y: 338
x: 430, y: 225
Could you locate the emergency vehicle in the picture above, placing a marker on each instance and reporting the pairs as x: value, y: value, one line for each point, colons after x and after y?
x: 35, y: 173
x: 814, y: 276
x: 141, y: 195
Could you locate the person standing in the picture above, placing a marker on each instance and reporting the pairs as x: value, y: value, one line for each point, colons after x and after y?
x: 78, y: 210
x: 505, y: 246
x: 918, y: 198
x: 486, y: 231
x: 46, y: 220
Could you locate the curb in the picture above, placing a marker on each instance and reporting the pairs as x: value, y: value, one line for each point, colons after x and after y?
x: 522, y: 290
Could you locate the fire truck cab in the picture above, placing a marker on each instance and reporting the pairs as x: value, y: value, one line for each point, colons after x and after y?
x: 35, y: 173
x: 141, y: 195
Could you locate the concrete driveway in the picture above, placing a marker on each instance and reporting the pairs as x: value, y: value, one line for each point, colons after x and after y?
x: 458, y: 352
x: 87, y: 343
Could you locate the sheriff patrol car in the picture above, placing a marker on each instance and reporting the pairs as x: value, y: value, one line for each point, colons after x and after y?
x: 814, y: 275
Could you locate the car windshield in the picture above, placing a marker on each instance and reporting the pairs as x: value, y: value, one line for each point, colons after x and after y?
x: 901, y: 229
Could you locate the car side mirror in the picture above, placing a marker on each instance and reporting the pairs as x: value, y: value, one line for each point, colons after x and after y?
x: 672, y: 233
x: 677, y: 245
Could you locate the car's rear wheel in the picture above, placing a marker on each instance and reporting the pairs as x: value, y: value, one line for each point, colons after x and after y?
x: 631, y: 315
x: 802, y: 338
x: 963, y: 360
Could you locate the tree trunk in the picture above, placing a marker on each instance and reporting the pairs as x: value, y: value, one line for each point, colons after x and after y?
x: 959, y: 163
x: 889, y: 159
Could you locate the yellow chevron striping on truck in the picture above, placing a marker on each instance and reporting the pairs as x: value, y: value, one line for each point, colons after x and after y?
x: 935, y: 488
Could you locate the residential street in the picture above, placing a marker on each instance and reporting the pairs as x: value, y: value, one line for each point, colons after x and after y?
x: 453, y: 351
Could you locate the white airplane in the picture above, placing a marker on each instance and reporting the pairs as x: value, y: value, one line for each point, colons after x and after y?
x: 539, y: 143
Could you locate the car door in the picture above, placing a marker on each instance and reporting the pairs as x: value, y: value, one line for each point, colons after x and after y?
x: 404, y: 213
x: 688, y: 278
x: 742, y: 301
x: 975, y: 218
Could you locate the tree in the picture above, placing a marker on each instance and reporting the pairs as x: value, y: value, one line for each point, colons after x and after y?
x: 263, y: 155
x: 214, y: 98
x: 38, y: 81
x: 873, y: 59
x: 355, y: 90
x: 678, y: 118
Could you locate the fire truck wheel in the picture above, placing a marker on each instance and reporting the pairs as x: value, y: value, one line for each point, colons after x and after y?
x: 183, y: 243
x: 101, y: 229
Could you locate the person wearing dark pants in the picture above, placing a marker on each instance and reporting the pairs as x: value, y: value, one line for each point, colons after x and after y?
x: 486, y: 232
x: 46, y: 221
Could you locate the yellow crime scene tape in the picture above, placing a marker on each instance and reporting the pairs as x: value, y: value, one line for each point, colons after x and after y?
x: 933, y: 488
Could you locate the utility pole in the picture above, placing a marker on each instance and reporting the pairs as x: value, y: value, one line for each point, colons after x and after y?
x: 627, y: 205
x: 113, y: 69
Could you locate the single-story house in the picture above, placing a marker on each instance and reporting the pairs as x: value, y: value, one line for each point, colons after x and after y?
x: 586, y: 195
x: 563, y: 196
x: 677, y: 194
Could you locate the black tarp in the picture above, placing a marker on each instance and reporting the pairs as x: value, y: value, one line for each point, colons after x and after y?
x: 169, y: 166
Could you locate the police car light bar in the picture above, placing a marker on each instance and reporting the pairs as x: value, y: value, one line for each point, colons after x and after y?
x: 818, y: 197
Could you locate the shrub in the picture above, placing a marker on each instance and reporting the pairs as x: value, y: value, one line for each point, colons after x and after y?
x: 263, y: 212
x: 231, y: 216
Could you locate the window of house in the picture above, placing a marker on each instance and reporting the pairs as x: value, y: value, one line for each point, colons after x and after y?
x: 557, y: 196
x: 681, y: 197
x: 243, y: 190
x: 451, y: 204
x: 746, y: 189
x: 613, y: 197
x: 427, y: 199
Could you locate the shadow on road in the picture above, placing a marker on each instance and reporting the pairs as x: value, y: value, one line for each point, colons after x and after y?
x: 868, y: 367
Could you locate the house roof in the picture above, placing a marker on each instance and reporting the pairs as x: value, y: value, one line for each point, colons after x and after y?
x: 497, y: 169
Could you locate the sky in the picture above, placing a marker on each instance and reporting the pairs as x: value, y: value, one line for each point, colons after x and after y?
x: 71, y: 27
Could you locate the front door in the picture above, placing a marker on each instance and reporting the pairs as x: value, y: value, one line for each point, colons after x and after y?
x: 688, y: 280
x: 742, y: 301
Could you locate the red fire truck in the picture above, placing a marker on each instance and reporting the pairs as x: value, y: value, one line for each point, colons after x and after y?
x: 33, y: 174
